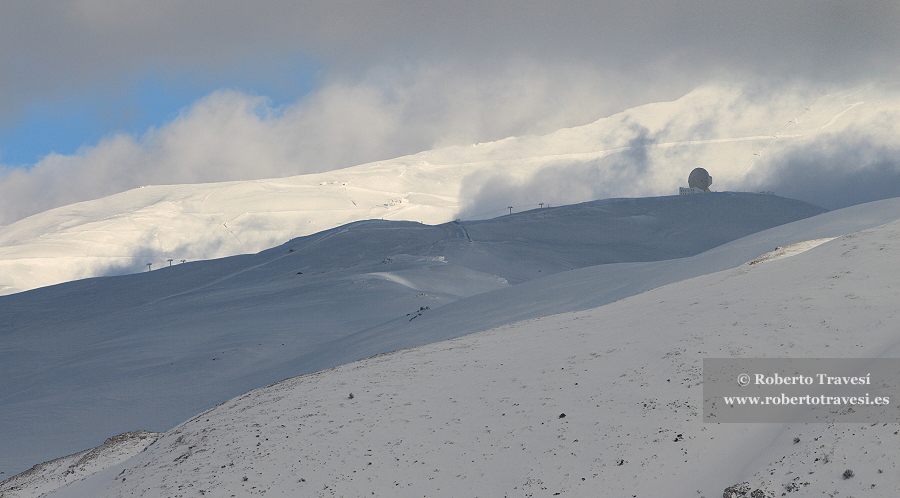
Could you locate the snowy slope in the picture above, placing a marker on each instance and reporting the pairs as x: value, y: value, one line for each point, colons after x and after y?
x: 146, y: 351
x: 57, y: 473
x: 589, y: 287
x: 605, y: 401
x: 648, y: 150
x: 124, y: 232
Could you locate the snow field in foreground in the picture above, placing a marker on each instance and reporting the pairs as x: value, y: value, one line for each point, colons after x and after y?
x: 482, y: 415
x: 88, y: 359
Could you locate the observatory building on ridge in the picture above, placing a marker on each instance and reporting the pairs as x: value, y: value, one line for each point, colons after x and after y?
x: 698, y: 182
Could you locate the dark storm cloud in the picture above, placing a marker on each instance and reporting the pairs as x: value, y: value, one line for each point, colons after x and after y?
x: 635, y: 156
x: 837, y: 171
x: 50, y: 47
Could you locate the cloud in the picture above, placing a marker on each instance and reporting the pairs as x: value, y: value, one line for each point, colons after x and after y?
x: 395, y: 78
x: 385, y: 113
x: 832, y: 147
x: 837, y: 171
x: 51, y: 48
x: 624, y: 173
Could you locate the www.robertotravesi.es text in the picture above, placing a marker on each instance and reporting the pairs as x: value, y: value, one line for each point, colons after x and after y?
x: 806, y: 400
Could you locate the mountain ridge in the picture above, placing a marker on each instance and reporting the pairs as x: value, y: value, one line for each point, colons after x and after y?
x: 645, y: 151
x: 188, y: 336
x: 604, y: 398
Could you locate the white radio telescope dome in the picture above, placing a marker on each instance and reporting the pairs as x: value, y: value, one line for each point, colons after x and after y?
x: 699, y: 178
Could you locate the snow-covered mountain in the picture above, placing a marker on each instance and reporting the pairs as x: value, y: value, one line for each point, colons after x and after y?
x: 648, y: 150
x: 596, y: 310
x: 607, y: 400
x: 148, y: 350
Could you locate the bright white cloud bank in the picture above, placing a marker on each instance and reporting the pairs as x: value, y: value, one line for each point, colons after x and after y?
x: 230, y: 135
x: 831, y: 147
